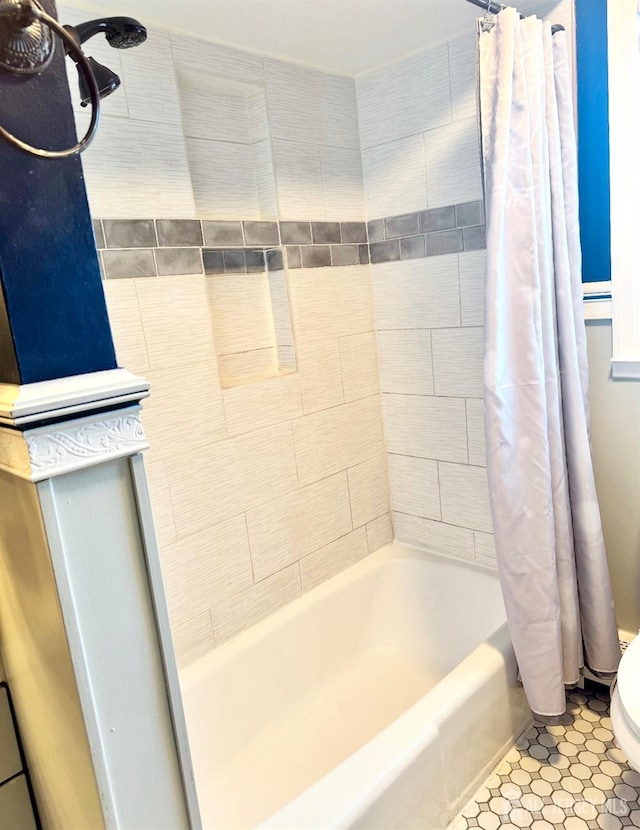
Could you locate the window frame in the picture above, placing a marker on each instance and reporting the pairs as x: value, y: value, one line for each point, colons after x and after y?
x: 624, y: 134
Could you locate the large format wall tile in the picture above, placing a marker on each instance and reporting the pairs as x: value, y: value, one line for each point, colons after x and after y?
x: 339, y: 111
x: 293, y: 100
x: 472, y: 269
x: 464, y: 494
x: 428, y: 279
x: 299, y: 178
x: 342, y: 184
x: 224, y: 184
x: 485, y: 549
x: 265, y: 179
x: 192, y: 637
x: 475, y: 431
x: 379, y: 532
x: 207, y: 567
x: 281, y: 310
x: 258, y: 116
x: 457, y: 362
x: 149, y: 80
x: 269, y: 485
x: 405, y: 362
x: 136, y: 170
x: 212, y: 59
x: 176, y: 322
x: 426, y: 427
x: 369, y: 491
x: 338, y: 438
x: 394, y: 177
x: 210, y: 112
x: 184, y: 400
x: 335, y: 557
x: 244, y: 364
x: 313, y: 106
x: 241, y: 312
x: 435, y: 536
x: 406, y: 98
x: 320, y: 375
x: 254, y: 603
x: 211, y: 483
x: 417, y: 294
x: 462, y: 67
x: 359, y: 366
x: 330, y: 302
x: 202, y: 480
x: 126, y: 325
x: 453, y: 163
x: 161, y: 501
x: 283, y: 531
x: 263, y: 404
x: 414, y: 486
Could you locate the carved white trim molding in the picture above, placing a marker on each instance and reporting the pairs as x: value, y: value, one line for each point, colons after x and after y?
x: 46, y: 452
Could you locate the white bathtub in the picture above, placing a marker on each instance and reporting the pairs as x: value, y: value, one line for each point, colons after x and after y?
x: 377, y: 700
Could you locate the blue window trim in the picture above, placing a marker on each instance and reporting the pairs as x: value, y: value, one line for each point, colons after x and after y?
x: 593, y: 139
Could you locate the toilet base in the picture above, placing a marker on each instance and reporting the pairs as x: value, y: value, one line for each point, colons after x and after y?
x: 626, y: 737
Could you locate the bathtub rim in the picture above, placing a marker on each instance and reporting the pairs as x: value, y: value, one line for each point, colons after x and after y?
x: 402, y: 740
x: 198, y: 669
x: 387, y: 754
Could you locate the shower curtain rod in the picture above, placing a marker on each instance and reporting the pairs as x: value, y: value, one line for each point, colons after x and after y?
x: 496, y: 8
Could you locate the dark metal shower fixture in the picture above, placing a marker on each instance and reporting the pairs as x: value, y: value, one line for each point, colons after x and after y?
x: 27, y: 46
x: 120, y: 33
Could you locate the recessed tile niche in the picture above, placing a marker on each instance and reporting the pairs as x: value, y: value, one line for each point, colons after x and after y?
x: 252, y: 325
x: 232, y: 172
x: 228, y: 146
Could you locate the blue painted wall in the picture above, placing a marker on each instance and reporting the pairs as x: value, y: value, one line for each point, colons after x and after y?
x: 593, y: 139
x: 53, y: 315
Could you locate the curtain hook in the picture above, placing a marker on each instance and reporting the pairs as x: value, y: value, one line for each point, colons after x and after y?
x: 488, y: 19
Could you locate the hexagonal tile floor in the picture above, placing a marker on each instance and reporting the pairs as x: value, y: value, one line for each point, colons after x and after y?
x: 571, y: 776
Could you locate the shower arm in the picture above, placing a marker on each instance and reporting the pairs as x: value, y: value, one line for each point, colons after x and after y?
x: 488, y: 5
x: 26, y: 19
x: 491, y: 7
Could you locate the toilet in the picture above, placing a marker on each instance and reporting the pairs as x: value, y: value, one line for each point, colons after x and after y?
x: 625, y: 704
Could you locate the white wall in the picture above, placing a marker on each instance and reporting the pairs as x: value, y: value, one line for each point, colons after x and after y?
x: 615, y: 438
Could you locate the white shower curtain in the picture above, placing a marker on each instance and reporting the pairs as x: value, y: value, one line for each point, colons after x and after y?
x: 550, y: 548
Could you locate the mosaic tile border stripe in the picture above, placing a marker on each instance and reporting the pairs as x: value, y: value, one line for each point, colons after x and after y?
x: 241, y: 260
x: 445, y: 230
x: 161, y: 247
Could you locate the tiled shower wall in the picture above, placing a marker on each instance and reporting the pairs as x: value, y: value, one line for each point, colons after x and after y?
x: 420, y: 157
x: 189, y: 102
x: 263, y: 490
x: 420, y: 151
